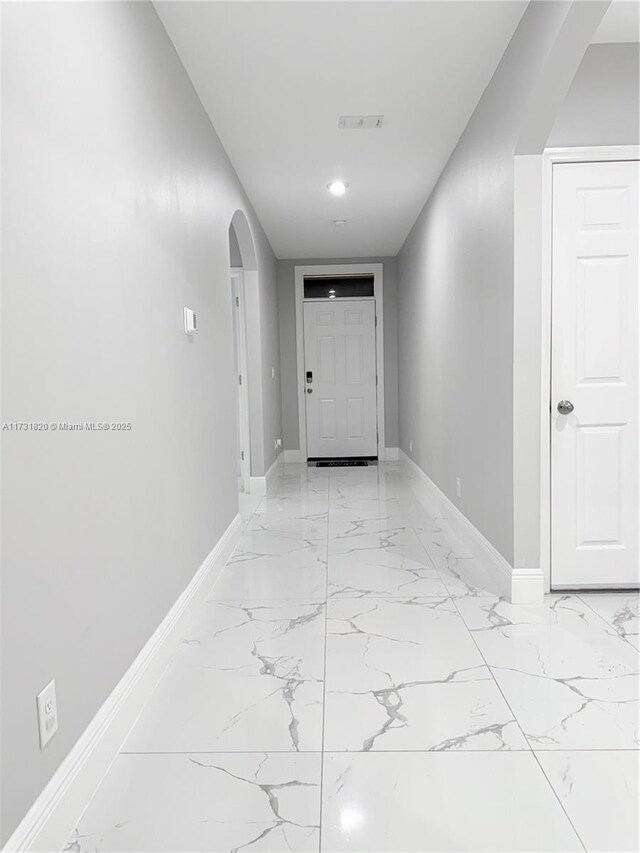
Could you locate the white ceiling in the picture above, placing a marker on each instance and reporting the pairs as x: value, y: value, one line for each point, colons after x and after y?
x: 621, y: 23
x: 275, y: 76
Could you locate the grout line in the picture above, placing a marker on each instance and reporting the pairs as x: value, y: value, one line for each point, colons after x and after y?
x: 324, y: 680
x: 365, y: 752
x: 508, y: 704
x: 579, y: 837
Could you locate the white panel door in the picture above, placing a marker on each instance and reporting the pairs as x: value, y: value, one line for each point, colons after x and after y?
x: 595, y: 360
x: 340, y: 362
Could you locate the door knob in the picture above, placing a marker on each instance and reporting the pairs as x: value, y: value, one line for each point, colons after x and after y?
x: 310, y: 391
x: 565, y: 407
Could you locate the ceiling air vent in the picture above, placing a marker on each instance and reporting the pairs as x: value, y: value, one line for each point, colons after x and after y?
x: 360, y: 122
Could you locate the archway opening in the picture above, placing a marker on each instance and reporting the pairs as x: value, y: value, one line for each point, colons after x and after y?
x: 243, y: 282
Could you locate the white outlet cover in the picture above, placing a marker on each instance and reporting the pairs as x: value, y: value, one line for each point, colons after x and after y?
x: 273, y: 373
x: 47, y: 713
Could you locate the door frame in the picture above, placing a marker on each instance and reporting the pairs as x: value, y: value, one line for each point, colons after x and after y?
x: 550, y: 158
x: 240, y: 322
x: 340, y: 269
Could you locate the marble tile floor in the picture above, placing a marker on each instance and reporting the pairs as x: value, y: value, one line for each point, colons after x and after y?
x: 355, y: 682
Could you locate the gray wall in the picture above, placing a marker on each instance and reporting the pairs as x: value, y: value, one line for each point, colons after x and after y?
x: 288, y: 358
x: 603, y: 105
x: 456, y: 280
x: 117, y: 197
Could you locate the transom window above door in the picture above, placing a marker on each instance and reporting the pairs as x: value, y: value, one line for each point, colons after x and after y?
x: 338, y: 287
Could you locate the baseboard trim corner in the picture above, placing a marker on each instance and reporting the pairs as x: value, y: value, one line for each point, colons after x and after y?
x: 519, y: 585
x: 52, y: 818
x: 527, y: 586
x: 259, y: 485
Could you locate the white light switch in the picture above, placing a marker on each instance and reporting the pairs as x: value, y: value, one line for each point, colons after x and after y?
x: 190, y: 324
x: 47, y: 713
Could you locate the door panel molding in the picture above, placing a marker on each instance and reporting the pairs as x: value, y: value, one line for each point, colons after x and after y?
x: 339, y: 269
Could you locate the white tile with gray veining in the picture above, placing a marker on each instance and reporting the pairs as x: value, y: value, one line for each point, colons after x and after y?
x: 342, y: 529
x: 571, y: 681
x: 437, y: 801
x: 204, y: 802
x: 620, y: 610
x: 600, y: 792
x: 387, y: 563
x: 387, y: 690
x: 243, y: 580
x: 314, y: 528
x: 295, y: 505
x: 265, y: 549
x: 461, y: 572
x: 401, y: 510
x: 249, y: 676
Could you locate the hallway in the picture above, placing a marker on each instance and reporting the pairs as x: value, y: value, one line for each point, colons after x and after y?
x: 354, y: 683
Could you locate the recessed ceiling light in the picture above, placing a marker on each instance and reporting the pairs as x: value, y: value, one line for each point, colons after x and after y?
x: 337, y: 187
x: 339, y: 223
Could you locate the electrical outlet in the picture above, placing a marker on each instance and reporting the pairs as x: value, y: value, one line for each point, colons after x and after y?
x: 458, y: 487
x: 410, y: 445
x: 47, y: 713
x: 278, y: 443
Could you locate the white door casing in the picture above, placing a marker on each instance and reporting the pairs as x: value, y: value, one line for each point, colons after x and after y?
x: 340, y: 361
x: 240, y: 361
x: 595, y: 357
x: 333, y: 269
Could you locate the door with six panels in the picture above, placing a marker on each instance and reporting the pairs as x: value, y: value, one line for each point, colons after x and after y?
x: 340, y: 378
x: 594, y: 376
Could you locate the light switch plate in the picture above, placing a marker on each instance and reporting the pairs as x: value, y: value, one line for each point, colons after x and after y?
x: 47, y: 713
x: 190, y: 323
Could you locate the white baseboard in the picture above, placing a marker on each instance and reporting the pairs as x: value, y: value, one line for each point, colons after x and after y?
x: 259, y: 485
x: 50, y: 821
x: 292, y: 456
x: 392, y: 454
x: 521, y: 586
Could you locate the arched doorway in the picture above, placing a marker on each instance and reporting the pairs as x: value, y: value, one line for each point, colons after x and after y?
x: 243, y: 281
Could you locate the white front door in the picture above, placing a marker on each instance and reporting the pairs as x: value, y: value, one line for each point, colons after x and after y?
x: 340, y: 378
x: 595, y: 361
